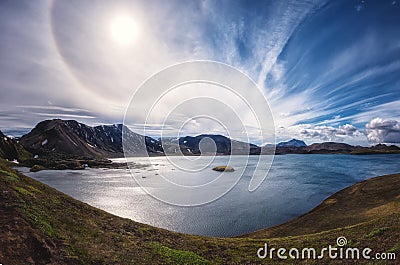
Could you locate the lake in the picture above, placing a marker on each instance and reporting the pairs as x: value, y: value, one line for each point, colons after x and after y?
x: 295, y: 184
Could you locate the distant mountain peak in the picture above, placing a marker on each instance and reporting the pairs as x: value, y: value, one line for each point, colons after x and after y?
x: 294, y: 143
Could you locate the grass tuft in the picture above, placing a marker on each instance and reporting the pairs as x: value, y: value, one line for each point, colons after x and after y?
x: 175, y: 256
x: 377, y: 232
x: 9, y: 176
x: 22, y: 191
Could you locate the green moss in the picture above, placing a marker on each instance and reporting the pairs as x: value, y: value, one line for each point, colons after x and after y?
x: 33, y: 189
x: 22, y: 191
x: 377, y: 232
x: 395, y: 248
x: 27, y: 190
x: 175, y: 256
x: 37, y: 217
x: 9, y: 176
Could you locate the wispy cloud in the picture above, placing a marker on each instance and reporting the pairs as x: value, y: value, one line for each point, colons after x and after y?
x: 389, y: 110
x: 281, y: 29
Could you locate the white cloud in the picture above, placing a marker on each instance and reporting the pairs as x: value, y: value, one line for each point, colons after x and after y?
x: 310, y: 133
x: 383, y: 131
x: 329, y: 133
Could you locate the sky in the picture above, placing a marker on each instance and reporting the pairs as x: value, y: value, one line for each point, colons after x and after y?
x: 329, y: 70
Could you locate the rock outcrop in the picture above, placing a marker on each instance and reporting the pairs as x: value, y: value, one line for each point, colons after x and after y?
x: 11, y: 150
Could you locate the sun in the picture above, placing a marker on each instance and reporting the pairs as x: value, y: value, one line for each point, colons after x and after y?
x: 123, y: 29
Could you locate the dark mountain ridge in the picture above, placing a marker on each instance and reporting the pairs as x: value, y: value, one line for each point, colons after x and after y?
x: 70, y: 137
x: 223, y: 145
x: 11, y: 150
x: 328, y: 147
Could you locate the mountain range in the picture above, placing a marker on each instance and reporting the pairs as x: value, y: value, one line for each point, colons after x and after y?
x: 69, y: 138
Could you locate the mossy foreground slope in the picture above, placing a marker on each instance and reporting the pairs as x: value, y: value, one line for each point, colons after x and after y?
x: 40, y: 225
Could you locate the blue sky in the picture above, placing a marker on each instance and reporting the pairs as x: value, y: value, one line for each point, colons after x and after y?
x: 330, y: 70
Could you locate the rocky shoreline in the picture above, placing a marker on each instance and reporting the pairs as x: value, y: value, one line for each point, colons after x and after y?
x: 37, y: 164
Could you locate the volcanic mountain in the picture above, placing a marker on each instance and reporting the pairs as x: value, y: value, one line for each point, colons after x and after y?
x: 70, y: 137
x: 222, y: 144
x: 293, y: 142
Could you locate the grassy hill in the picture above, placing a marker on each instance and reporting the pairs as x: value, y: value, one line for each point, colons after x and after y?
x: 364, y: 201
x: 40, y: 225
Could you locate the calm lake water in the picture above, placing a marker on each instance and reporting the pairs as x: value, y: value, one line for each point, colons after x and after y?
x: 294, y: 185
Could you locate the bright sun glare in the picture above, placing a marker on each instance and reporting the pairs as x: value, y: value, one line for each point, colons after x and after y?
x: 123, y: 29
